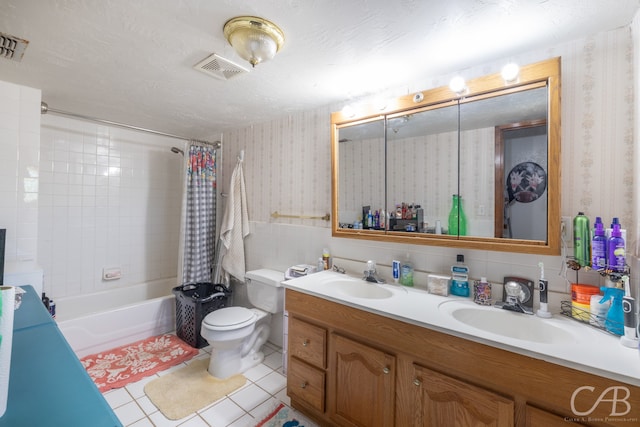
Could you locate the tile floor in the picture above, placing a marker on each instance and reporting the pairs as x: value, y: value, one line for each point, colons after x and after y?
x: 265, y: 387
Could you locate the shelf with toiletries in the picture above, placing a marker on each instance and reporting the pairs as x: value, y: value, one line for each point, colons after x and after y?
x: 610, y: 306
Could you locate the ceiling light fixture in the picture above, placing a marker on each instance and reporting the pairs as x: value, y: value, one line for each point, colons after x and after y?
x: 254, y: 39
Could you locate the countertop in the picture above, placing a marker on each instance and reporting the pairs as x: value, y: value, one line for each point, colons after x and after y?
x: 589, y: 349
x: 48, y: 386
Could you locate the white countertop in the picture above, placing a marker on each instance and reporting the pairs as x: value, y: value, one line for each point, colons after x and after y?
x: 587, y: 349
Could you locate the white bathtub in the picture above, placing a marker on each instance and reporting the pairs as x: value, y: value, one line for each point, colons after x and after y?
x: 104, y: 320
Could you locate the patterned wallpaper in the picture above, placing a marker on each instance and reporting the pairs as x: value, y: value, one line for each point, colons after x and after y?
x: 288, y: 161
x: 288, y: 167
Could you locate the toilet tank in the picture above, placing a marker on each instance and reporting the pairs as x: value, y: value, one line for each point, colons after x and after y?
x: 265, y: 290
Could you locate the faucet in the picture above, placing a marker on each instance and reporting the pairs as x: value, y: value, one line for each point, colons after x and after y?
x: 517, y: 296
x: 371, y: 275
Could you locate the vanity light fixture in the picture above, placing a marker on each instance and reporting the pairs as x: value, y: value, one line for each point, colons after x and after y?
x: 510, y: 72
x: 458, y: 85
x: 254, y: 39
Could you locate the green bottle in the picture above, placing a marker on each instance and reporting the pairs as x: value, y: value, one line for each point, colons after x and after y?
x: 457, y: 218
x: 581, y: 240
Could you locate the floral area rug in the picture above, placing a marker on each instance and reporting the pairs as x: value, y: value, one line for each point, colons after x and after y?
x: 283, y: 416
x: 129, y: 363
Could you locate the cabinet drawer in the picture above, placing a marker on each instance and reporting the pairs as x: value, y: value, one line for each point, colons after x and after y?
x: 308, y: 342
x: 306, y: 383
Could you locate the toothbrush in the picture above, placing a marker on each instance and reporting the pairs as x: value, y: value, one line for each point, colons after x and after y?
x: 542, y: 284
x: 629, y: 338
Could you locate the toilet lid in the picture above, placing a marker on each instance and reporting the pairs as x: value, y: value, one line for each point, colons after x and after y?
x: 229, y: 318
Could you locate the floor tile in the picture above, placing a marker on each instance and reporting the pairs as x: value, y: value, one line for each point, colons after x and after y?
x: 249, y: 397
x: 274, y: 360
x: 223, y: 413
x: 129, y: 413
x: 117, y: 397
x: 272, y: 383
x: 264, y: 390
x: 257, y: 372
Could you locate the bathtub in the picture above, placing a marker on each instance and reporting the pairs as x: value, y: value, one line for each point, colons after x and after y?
x: 104, y: 320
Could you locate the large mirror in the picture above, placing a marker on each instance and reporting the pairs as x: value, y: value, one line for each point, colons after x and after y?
x: 478, y: 169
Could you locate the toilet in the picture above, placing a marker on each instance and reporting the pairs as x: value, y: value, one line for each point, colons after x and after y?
x: 236, y: 334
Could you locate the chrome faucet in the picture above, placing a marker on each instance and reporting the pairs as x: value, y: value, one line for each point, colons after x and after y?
x: 517, y: 295
x: 371, y: 275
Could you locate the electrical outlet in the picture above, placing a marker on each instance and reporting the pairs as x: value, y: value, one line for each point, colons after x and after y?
x: 566, y: 230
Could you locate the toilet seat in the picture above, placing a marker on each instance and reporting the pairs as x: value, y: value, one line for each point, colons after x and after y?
x: 229, y: 318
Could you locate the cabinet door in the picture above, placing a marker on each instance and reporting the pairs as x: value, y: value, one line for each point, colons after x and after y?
x: 364, y: 384
x: 444, y: 401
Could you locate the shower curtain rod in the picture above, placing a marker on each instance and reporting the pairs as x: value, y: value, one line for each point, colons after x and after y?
x: 44, y: 109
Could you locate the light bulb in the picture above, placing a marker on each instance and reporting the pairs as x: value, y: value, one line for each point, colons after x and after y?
x: 458, y: 85
x: 510, y: 72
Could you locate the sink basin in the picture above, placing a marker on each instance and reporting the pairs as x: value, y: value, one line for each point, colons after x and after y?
x: 508, y: 324
x: 360, y: 289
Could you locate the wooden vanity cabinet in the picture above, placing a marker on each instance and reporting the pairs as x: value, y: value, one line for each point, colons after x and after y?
x: 379, y: 371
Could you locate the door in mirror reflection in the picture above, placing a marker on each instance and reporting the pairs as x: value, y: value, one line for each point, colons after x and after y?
x: 503, y: 164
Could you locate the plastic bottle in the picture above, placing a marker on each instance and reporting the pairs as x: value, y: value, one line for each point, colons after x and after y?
x: 326, y: 259
x: 45, y: 300
x: 320, y: 264
x: 598, y: 246
x: 616, y: 257
x: 581, y: 241
x: 460, y: 278
x: 614, y: 322
x: 457, y: 219
x: 406, y: 272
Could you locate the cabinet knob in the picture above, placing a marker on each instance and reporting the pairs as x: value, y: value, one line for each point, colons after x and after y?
x: 417, y: 382
x: 305, y: 342
x: 304, y: 385
x: 386, y: 370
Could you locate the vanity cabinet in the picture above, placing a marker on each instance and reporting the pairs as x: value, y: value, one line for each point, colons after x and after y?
x: 373, y: 370
x: 360, y: 376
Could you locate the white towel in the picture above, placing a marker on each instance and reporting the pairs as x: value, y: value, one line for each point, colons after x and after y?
x: 235, y: 225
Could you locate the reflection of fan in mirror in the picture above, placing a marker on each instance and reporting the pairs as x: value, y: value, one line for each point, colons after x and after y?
x: 526, y: 182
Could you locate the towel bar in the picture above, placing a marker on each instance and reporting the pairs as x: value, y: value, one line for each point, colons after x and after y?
x: 326, y: 217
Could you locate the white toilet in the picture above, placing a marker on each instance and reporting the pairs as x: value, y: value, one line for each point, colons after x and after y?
x: 236, y: 334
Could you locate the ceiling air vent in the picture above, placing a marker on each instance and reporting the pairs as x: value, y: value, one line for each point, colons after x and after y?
x: 12, y: 47
x: 219, y: 67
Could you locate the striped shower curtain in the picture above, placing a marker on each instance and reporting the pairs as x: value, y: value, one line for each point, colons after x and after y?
x: 199, y: 214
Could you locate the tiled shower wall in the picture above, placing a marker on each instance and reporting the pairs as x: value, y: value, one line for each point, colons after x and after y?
x: 19, y: 153
x: 109, y: 198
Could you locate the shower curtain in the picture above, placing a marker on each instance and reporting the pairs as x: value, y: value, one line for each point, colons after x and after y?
x: 199, y: 205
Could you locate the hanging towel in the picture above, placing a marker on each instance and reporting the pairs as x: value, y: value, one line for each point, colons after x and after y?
x: 235, y: 225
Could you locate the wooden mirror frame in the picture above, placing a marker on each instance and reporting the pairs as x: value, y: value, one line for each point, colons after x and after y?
x: 547, y: 72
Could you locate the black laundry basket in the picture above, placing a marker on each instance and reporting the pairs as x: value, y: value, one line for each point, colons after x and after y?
x: 193, y: 302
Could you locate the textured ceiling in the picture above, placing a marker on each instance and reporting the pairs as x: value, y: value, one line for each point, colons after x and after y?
x: 132, y: 60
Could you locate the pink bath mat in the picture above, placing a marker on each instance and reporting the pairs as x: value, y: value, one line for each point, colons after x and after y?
x: 127, y: 364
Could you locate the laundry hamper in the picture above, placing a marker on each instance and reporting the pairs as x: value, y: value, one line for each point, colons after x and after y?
x: 193, y: 302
